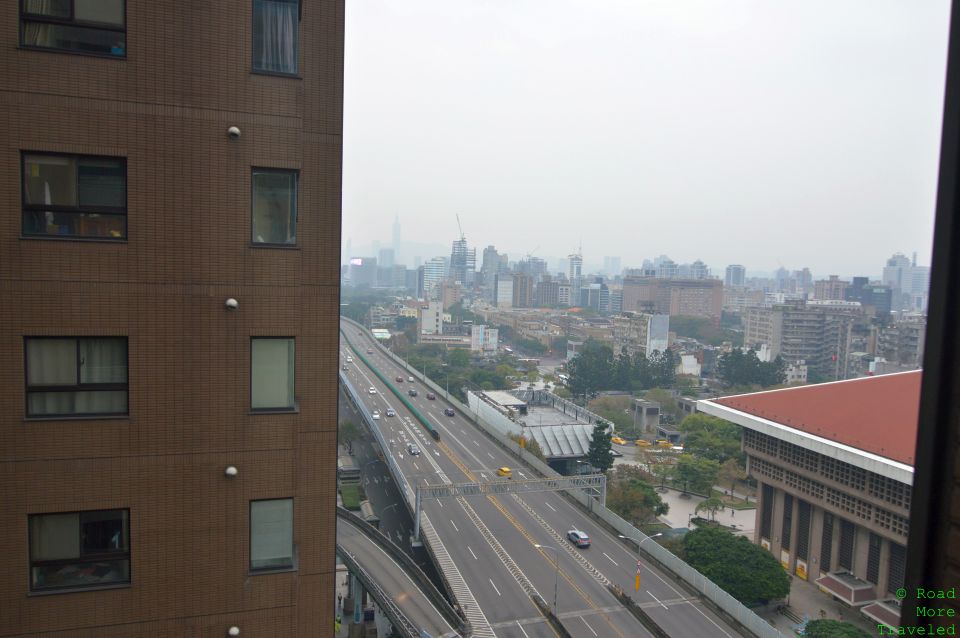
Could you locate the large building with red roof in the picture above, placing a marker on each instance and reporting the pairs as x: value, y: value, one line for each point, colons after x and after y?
x: 834, y: 464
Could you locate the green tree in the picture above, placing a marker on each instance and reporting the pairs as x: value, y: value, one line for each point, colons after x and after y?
x: 711, y: 506
x: 348, y: 433
x: 590, y: 370
x: 631, y: 496
x: 731, y: 471
x: 710, y: 437
x: 697, y: 475
x: 833, y: 629
x: 613, y: 408
x: 744, y: 570
x: 739, y: 368
x: 458, y: 358
x: 600, y: 453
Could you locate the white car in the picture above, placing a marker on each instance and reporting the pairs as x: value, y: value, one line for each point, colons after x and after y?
x: 410, y: 379
x: 349, y: 359
x: 372, y: 390
x: 376, y: 415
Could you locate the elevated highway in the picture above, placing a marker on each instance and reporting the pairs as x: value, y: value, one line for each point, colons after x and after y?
x: 405, y: 594
x: 491, y: 541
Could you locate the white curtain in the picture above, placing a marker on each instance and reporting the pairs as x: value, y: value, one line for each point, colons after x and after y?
x: 52, y: 362
x: 54, y: 536
x: 276, y: 42
x: 38, y: 34
x: 271, y: 534
x: 271, y: 373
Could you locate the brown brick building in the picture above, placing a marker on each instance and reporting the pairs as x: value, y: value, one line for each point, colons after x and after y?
x: 128, y: 386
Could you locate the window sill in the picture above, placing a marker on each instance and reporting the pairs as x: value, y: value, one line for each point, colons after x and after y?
x: 78, y: 590
x: 293, y: 410
x: 277, y: 74
x: 280, y: 246
x: 86, y: 54
x: 79, y: 417
x: 97, y: 240
x: 278, y: 570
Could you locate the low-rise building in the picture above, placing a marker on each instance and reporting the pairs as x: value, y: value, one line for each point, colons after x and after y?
x: 834, y: 463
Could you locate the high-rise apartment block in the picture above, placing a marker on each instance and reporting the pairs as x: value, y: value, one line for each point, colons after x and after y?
x: 168, y: 316
x: 640, y: 333
x: 833, y: 288
x: 736, y: 276
x: 522, y: 290
x: 463, y: 262
x: 818, y: 333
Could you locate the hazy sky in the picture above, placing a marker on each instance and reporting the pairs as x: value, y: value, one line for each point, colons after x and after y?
x: 762, y: 132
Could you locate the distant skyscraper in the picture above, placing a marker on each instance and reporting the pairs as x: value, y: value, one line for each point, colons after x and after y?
x: 699, y: 270
x: 385, y: 258
x: 463, y: 262
x: 736, y: 276
x: 611, y: 266
x: 667, y: 269
x: 434, y: 271
x: 909, y: 282
x: 396, y: 239
x: 576, y: 275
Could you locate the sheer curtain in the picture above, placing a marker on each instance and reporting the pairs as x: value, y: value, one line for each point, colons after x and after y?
x: 53, y: 362
x: 38, y: 34
x: 271, y: 534
x: 275, y: 37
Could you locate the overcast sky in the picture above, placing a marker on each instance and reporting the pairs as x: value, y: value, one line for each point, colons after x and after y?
x: 762, y: 132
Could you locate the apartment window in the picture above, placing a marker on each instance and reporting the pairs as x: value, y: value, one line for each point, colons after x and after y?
x: 271, y: 534
x: 76, y: 376
x: 272, y: 373
x: 274, y: 207
x: 826, y: 542
x: 275, y: 26
x: 79, y: 549
x: 97, y: 27
x: 787, y: 528
x: 73, y: 196
x: 873, y: 559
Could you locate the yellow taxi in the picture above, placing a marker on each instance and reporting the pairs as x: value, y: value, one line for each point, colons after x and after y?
x: 643, y: 443
x: 618, y: 440
x: 504, y: 471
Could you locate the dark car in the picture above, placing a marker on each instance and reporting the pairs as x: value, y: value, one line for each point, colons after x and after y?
x: 449, y: 412
x: 412, y: 392
x: 399, y: 379
x: 369, y: 350
x: 413, y: 450
x: 431, y: 396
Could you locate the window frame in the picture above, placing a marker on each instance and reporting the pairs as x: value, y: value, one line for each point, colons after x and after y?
x: 295, y: 408
x: 253, y: 61
x: 71, y: 21
x: 79, y: 387
x: 292, y: 567
x: 296, y: 205
x: 74, y: 210
x: 80, y: 559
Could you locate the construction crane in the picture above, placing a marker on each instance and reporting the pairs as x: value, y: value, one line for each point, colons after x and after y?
x: 462, y: 236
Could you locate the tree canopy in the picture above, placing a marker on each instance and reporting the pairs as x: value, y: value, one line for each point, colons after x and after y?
x: 703, y: 330
x: 833, y: 629
x: 697, y: 475
x: 595, y: 368
x: 710, y: 437
x: 632, y: 497
x: 600, y: 453
x: 744, y: 570
x: 737, y: 368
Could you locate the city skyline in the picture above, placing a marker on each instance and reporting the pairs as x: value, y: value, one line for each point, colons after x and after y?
x: 535, y: 124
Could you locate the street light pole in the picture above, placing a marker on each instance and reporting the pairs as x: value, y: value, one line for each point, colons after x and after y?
x: 639, y: 543
x: 556, y: 572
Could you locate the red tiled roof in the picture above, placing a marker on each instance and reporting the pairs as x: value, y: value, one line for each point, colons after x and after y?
x: 873, y: 414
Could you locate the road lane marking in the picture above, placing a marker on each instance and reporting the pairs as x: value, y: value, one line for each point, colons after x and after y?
x: 471, y: 553
x: 454, y: 525
x: 498, y: 591
x: 475, y: 443
x: 550, y: 506
x: 490, y: 455
x: 522, y: 629
x: 657, y: 599
x: 440, y: 502
x: 588, y: 626
x: 611, y: 560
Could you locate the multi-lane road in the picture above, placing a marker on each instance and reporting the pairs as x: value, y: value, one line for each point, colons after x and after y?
x: 492, y: 540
